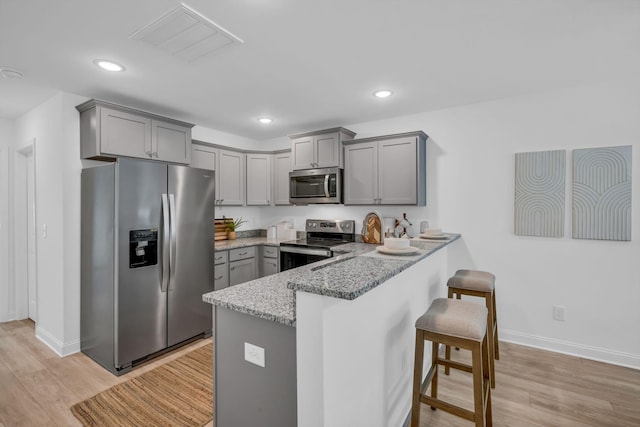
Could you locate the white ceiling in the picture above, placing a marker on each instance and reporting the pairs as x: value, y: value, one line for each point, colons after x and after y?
x: 313, y: 64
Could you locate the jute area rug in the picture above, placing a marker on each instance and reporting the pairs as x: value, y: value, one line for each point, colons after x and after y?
x: 179, y: 393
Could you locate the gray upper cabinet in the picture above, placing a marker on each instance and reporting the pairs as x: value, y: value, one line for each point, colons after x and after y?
x: 230, y: 172
x: 108, y: 131
x: 281, y: 169
x: 230, y: 175
x: 259, y: 179
x: 386, y: 170
x: 321, y: 149
x: 204, y: 157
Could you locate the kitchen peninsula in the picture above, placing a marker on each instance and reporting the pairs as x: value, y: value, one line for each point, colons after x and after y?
x: 326, y: 344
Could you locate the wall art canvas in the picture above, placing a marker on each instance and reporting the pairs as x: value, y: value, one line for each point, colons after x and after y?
x: 540, y: 193
x: 602, y: 193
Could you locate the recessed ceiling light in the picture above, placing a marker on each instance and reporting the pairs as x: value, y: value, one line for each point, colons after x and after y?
x: 108, y: 65
x: 265, y: 120
x: 382, y: 93
x: 9, y: 73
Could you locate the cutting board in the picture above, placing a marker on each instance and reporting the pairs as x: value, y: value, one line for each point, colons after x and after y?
x: 372, y: 229
x: 220, y: 232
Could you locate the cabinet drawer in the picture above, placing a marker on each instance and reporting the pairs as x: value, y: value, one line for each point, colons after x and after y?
x: 220, y: 277
x: 220, y: 257
x: 270, y: 252
x: 242, y: 253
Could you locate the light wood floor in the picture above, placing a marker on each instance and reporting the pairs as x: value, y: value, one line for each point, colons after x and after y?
x: 534, y: 387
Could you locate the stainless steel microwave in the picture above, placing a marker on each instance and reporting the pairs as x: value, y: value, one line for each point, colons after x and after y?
x: 315, y: 186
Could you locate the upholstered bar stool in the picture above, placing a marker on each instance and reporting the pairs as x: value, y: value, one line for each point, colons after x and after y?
x: 462, y: 324
x: 478, y: 284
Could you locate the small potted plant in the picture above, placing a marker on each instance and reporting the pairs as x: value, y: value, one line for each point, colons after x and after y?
x: 232, y: 225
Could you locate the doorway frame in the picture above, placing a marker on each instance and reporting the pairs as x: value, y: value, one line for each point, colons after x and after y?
x: 27, y: 268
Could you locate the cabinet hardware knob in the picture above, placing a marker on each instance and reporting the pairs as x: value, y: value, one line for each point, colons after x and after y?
x: 232, y: 268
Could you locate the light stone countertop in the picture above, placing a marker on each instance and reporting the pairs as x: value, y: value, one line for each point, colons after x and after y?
x: 353, y: 272
x: 223, y: 245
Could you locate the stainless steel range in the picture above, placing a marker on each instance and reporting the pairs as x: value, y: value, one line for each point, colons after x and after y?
x: 322, y: 236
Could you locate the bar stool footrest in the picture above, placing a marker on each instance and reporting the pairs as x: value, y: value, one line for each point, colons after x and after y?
x: 448, y: 407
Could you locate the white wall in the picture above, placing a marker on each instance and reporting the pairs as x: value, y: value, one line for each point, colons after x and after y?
x: 471, y: 183
x: 471, y: 191
x: 7, y: 304
x: 55, y: 126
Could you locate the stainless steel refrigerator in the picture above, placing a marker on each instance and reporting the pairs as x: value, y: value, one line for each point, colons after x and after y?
x: 147, y: 258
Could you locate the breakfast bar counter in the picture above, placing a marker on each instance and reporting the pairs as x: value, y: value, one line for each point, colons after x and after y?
x: 329, y: 343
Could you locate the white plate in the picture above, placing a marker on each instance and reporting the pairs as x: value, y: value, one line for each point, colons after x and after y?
x: 405, y: 251
x: 434, y: 237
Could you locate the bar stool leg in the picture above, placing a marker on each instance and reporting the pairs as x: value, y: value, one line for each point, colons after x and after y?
x: 487, y: 379
x: 417, y: 379
x: 490, y: 337
x: 496, y: 348
x: 478, y: 384
x: 434, y: 365
x: 447, y: 348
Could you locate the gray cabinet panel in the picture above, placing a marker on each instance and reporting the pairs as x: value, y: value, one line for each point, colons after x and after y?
x: 397, y: 172
x: 282, y: 167
x: 220, y: 257
x: 327, y: 148
x: 259, y: 179
x: 231, y: 177
x: 221, y: 276
x: 124, y: 134
x: 302, y: 151
x: 171, y: 142
x: 269, y: 266
x: 270, y: 252
x: 247, y: 395
x: 361, y: 178
x: 204, y: 158
x: 242, y: 271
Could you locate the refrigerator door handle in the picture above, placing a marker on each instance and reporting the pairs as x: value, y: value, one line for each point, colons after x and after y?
x: 172, y: 249
x: 165, y: 243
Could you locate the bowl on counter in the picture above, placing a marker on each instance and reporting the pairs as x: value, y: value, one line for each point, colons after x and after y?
x: 396, y: 243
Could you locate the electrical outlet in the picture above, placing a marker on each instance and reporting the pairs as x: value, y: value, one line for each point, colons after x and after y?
x: 559, y: 312
x: 254, y: 354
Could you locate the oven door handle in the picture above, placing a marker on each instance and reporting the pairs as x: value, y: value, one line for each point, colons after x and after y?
x: 306, y: 251
x: 326, y: 185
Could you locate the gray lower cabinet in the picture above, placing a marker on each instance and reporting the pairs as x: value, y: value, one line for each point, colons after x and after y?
x: 270, y: 263
x: 242, y: 265
x: 221, y: 270
x: 109, y: 130
x: 255, y: 371
x: 386, y: 170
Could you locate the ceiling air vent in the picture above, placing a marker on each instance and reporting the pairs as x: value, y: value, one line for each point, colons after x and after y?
x: 186, y: 33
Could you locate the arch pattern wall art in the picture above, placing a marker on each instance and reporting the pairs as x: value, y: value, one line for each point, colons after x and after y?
x: 540, y: 193
x: 602, y: 193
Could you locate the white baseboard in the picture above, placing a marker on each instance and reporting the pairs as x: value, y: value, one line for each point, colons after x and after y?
x: 62, y: 349
x: 574, y: 349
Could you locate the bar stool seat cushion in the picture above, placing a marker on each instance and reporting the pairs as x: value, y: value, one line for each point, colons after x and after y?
x: 475, y: 280
x: 454, y: 317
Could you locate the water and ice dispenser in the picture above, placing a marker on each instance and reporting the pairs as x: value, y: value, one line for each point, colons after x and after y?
x: 143, y: 247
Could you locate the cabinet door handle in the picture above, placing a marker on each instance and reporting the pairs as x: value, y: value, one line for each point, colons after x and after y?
x: 218, y: 278
x: 218, y: 257
x: 155, y: 154
x: 243, y: 253
x: 232, y: 268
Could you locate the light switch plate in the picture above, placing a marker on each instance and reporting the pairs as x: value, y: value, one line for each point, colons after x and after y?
x: 254, y: 354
